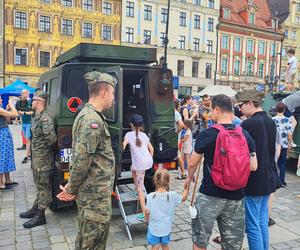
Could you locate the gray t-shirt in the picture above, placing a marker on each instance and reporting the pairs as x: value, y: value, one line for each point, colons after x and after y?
x: 162, y: 209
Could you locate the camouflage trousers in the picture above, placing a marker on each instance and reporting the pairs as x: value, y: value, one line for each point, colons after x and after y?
x: 92, y: 235
x: 230, y: 216
x: 42, y: 183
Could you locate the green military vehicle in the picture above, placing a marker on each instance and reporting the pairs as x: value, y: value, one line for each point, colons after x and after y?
x: 140, y: 89
x: 269, y: 106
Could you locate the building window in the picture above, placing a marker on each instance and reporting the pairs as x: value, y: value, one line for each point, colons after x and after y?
x: 184, y: 91
x: 45, y: 1
x: 44, y: 23
x: 210, y: 24
x: 261, y: 48
x: 129, y: 35
x: 44, y: 59
x: 147, y: 36
x: 162, y: 38
x: 250, y: 46
x: 249, y: 68
x: 130, y: 9
x: 283, y: 52
x: 195, y: 68
x: 180, y: 67
x: 261, y: 70
x: 197, y: 2
x: 67, y: 3
x: 226, y: 13
x: 224, y: 65
x: 286, y: 33
x: 209, y: 46
x: 164, y: 15
x: 225, y: 42
x: 148, y: 12
x: 196, y: 44
x: 237, y: 44
x: 87, y: 30
x: 237, y: 67
x: 182, y: 19
x: 67, y: 27
x: 20, y: 20
x: 208, y: 71
x: 107, y: 8
x: 273, y: 49
x: 181, y: 42
x: 197, y: 22
x: 106, y: 32
x: 21, y: 57
x: 87, y: 5
x: 211, y: 4
x: 298, y: 20
x: 251, y: 18
x: 298, y: 6
x: 293, y: 35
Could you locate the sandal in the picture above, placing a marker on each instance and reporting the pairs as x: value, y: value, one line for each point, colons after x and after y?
x: 5, y: 188
x: 12, y: 184
x: 180, y: 177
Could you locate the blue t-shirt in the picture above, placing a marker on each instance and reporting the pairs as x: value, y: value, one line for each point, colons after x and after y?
x: 162, y: 209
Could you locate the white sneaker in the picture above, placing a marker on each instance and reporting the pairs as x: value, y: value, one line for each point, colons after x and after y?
x: 298, y: 172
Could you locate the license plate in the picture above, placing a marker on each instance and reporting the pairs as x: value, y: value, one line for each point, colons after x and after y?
x: 66, y: 155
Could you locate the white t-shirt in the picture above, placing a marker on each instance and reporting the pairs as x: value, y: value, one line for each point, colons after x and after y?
x: 140, y: 156
x: 162, y: 209
x: 187, y: 145
x: 177, y: 118
x: 293, y: 62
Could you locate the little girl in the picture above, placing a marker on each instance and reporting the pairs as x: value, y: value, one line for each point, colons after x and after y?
x: 141, y: 152
x: 187, y: 141
x: 160, y: 210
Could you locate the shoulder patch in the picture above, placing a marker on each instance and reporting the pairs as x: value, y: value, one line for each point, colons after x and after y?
x: 94, y: 125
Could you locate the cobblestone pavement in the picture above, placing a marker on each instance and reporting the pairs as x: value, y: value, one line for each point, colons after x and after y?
x: 60, y: 231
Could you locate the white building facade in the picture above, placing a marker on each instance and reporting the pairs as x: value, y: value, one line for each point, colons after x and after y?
x: 192, y: 36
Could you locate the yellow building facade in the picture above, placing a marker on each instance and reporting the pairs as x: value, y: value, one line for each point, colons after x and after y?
x: 37, y: 31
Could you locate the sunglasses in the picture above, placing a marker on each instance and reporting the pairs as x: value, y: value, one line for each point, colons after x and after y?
x: 241, y: 105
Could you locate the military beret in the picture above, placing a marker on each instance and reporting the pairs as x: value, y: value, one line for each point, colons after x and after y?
x: 250, y: 95
x: 41, y: 94
x: 96, y: 76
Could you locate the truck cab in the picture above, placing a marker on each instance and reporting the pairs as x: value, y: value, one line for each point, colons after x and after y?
x: 139, y: 90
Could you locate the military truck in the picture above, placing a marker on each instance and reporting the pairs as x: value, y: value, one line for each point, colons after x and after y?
x: 140, y: 89
x: 269, y: 106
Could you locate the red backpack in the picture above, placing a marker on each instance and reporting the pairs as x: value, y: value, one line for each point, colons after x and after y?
x: 231, y: 166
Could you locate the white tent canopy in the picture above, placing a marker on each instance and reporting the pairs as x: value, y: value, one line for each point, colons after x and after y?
x: 216, y: 90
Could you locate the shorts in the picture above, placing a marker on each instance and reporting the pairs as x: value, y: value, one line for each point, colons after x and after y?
x: 230, y: 216
x: 26, y: 130
x: 155, y: 240
x: 291, y: 76
x: 139, y: 179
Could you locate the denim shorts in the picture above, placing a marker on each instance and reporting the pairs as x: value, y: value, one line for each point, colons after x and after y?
x: 26, y: 130
x: 155, y: 240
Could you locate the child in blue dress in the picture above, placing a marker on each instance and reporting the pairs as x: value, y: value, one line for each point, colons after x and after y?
x: 160, y: 210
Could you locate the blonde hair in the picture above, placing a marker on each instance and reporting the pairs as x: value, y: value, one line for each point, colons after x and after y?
x: 162, y: 178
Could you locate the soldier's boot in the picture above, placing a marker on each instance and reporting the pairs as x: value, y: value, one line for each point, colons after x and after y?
x: 29, y: 213
x: 38, y: 219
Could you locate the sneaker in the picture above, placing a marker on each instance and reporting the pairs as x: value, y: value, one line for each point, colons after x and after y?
x: 271, y: 222
x: 298, y: 172
x: 141, y: 217
x: 25, y: 160
x: 22, y: 148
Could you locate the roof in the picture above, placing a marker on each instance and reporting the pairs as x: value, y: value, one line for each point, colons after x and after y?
x: 239, y: 8
x: 214, y: 90
x: 282, y: 7
x: 16, y: 88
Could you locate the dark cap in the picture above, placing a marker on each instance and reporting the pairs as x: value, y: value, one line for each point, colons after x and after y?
x: 250, y: 95
x: 41, y: 94
x: 94, y: 77
x: 137, y: 120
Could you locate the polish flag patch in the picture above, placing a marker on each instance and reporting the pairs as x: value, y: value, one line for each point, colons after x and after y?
x: 94, y: 125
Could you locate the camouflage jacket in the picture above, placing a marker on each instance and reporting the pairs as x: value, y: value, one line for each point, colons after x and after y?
x: 43, y: 136
x: 92, y: 169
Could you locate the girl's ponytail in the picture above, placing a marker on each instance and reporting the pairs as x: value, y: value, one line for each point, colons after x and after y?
x: 138, y: 142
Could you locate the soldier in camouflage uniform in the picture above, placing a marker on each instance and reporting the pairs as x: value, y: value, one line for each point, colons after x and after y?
x: 43, y: 137
x: 93, y: 168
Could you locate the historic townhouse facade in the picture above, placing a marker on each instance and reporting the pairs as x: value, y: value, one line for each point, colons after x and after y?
x: 249, y: 44
x: 37, y: 31
x: 192, y: 36
x: 288, y: 12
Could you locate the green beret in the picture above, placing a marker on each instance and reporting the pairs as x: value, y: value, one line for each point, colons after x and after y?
x: 250, y: 95
x: 96, y: 76
x: 41, y: 94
